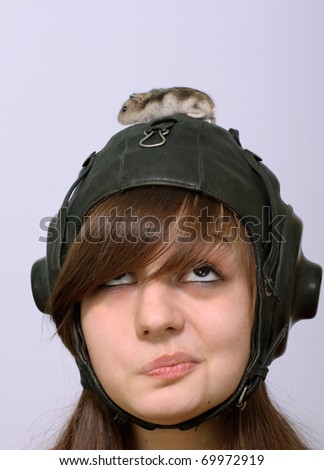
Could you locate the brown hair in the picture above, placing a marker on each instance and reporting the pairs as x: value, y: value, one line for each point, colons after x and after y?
x: 156, y: 221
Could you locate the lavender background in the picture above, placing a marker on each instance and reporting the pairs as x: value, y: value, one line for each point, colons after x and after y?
x: 66, y: 67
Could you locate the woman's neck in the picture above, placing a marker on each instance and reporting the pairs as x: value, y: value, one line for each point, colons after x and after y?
x: 203, y: 437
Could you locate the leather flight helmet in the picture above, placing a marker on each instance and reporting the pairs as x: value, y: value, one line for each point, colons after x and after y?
x: 189, y: 153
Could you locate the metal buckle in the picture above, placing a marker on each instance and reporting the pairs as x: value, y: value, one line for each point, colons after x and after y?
x: 149, y: 134
x: 241, y: 402
x: 160, y: 127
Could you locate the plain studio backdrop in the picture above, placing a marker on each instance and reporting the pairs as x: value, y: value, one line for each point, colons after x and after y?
x: 66, y: 68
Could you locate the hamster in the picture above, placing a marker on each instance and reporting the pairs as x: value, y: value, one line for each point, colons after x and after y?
x: 161, y: 102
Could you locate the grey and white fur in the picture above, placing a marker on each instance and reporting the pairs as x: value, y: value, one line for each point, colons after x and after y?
x: 161, y: 102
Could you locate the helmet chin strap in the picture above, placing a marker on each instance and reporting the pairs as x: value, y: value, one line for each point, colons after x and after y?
x: 250, y: 381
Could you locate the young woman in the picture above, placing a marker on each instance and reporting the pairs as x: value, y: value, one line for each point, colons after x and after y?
x: 173, y: 273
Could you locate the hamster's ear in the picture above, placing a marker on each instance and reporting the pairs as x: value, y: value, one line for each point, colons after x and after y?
x: 137, y: 97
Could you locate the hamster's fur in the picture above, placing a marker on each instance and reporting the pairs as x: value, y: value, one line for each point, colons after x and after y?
x: 161, y: 102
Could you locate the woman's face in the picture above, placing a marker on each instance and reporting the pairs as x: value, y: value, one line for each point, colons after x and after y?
x: 167, y: 349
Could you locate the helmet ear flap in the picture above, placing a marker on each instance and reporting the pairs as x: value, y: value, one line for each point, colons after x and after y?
x: 297, y: 282
x: 306, y: 289
x: 45, y: 270
x: 39, y: 284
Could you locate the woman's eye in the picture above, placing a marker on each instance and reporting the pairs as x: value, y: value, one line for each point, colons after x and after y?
x: 201, y: 274
x: 120, y: 280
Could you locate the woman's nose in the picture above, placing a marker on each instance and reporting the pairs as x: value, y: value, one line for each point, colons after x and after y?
x: 157, y: 311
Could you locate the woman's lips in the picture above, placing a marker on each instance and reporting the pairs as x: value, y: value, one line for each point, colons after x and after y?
x: 170, y: 366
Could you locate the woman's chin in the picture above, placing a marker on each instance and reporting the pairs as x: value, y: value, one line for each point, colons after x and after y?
x: 168, y: 418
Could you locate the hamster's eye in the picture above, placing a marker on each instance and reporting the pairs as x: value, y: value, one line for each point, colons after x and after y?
x: 124, y: 109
